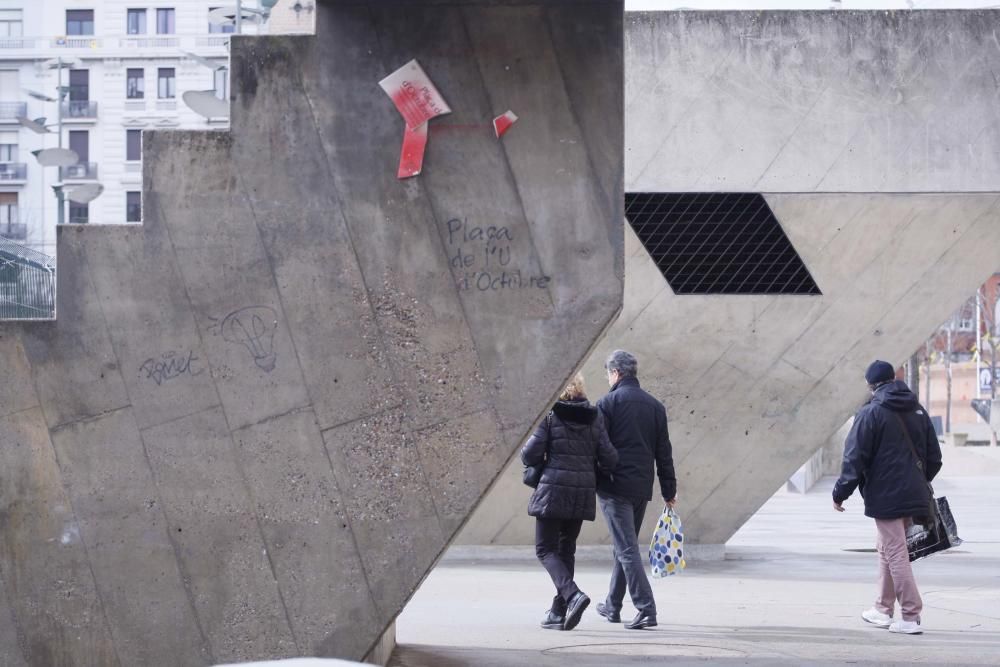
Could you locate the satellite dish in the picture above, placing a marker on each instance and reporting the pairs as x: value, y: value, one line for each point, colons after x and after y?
x: 40, y: 96
x: 227, y: 16
x: 84, y: 194
x: 56, y: 157
x: 205, y: 103
x: 211, y: 64
x: 37, y: 126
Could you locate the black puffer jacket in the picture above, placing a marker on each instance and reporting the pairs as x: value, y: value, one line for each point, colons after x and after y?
x: 637, y: 427
x: 878, y: 458
x: 571, y: 440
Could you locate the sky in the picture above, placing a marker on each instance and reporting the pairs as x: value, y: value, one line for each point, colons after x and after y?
x: 647, y: 5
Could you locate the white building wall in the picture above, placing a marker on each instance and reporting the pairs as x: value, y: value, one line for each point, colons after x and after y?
x: 108, y: 54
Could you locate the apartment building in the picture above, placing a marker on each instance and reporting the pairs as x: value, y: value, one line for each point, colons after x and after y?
x: 125, y: 66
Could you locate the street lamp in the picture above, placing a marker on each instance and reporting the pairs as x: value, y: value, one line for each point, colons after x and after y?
x: 59, y: 156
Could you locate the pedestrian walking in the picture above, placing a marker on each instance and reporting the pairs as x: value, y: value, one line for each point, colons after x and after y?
x: 637, y: 427
x: 572, y: 443
x: 891, y: 434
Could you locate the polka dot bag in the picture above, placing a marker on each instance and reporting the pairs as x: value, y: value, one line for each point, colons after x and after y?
x: 666, y: 550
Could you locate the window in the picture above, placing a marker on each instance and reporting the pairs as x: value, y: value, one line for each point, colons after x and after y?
x: 226, y: 29
x: 717, y: 243
x: 8, y: 146
x: 79, y: 21
x: 10, y: 85
x: 133, y: 145
x: 11, y: 24
x: 79, y: 213
x: 135, y: 23
x: 8, y: 208
x: 222, y: 84
x: 135, y: 83
x: 165, y: 21
x: 133, y: 206
x: 79, y: 85
x: 79, y: 143
x: 165, y: 84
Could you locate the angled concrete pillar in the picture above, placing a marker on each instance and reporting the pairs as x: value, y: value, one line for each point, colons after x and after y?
x: 875, y: 140
x: 262, y: 415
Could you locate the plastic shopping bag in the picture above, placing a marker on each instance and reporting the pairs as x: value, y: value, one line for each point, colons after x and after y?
x: 666, y: 550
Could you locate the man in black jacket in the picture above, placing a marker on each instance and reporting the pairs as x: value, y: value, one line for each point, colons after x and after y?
x: 637, y: 427
x: 891, y: 453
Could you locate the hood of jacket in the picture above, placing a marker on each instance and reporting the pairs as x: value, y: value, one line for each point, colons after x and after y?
x: 576, y: 412
x: 896, y: 396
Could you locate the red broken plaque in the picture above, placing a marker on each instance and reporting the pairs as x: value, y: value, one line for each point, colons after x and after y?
x: 417, y: 100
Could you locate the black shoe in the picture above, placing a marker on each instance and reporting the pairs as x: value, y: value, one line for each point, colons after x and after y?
x: 574, y: 610
x: 642, y: 620
x: 552, y: 621
x: 608, y: 613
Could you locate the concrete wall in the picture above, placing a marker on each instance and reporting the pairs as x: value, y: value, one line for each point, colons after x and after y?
x: 261, y: 416
x: 874, y: 139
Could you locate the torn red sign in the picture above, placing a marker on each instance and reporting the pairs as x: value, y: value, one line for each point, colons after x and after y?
x: 411, y: 158
x: 503, y: 122
x: 414, y: 95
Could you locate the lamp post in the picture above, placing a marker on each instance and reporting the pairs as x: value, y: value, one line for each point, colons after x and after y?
x: 59, y: 156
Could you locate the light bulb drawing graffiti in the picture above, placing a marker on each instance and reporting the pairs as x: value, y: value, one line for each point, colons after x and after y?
x: 252, y: 327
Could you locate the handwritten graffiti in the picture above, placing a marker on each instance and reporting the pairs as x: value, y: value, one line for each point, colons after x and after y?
x: 170, y: 365
x: 480, y: 259
x: 253, y: 327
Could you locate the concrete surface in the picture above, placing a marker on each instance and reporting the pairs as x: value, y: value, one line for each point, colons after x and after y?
x: 790, y: 592
x: 757, y: 101
x: 261, y: 415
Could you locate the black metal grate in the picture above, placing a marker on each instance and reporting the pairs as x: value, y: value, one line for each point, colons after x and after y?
x: 717, y: 243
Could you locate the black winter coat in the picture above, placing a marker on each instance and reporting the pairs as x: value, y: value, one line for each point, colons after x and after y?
x: 571, y: 440
x: 879, y: 460
x: 637, y: 427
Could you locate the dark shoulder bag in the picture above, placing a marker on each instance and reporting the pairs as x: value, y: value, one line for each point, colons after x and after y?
x: 937, y: 531
x: 533, y: 474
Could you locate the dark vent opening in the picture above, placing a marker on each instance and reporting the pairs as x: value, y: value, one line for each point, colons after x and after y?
x: 717, y: 243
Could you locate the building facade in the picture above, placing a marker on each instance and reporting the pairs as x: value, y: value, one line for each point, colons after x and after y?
x: 126, y: 65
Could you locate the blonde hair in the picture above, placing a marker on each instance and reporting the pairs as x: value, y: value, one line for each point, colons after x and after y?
x: 575, y: 390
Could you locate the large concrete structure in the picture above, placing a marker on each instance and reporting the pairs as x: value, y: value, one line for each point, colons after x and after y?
x: 261, y: 415
x: 875, y: 140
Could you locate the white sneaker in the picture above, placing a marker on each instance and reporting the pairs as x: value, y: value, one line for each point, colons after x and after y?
x: 876, y: 618
x: 906, y: 627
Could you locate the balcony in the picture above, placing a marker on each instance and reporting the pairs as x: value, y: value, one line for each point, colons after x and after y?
x: 15, y: 231
x: 11, y: 111
x: 77, y: 42
x: 166, y: 105
x: 84, y: 171
x: 12, y: 172
x: 17, y: 43
x: 79, y: 110
x: 149, y: 42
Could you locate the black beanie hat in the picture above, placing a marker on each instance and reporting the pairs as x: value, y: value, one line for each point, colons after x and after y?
x: 879, y: 372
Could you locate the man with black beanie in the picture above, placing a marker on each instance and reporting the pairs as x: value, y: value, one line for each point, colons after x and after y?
x: 891, y: 454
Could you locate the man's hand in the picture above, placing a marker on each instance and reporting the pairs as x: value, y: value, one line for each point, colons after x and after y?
x: 837, y: 506
x: 672, y: 502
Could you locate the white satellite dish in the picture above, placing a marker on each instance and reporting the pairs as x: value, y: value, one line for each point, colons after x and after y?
x: 227, y: 16
x: 211, y: 64
x: 84, y: 194
x: 37, y: 125
x: 56, y: 157
x: 205, y: 103
x: 39, y: 96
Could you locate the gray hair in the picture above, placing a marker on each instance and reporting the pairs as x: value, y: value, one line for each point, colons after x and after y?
x: 624, y: 362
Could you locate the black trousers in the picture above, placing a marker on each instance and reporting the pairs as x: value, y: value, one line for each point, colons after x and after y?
x: 555, y: 546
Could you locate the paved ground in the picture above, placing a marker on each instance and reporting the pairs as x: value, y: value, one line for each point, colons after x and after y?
x: 790, y: 592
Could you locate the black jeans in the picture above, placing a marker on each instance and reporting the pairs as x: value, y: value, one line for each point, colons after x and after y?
x: 555, y: 546
x: 624, y: 517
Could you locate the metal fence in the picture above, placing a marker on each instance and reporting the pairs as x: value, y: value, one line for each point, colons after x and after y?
x: 13, y: 109
x: 27, y: 283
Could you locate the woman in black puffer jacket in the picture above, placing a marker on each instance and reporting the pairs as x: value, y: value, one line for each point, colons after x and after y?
x: 572, y: 442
